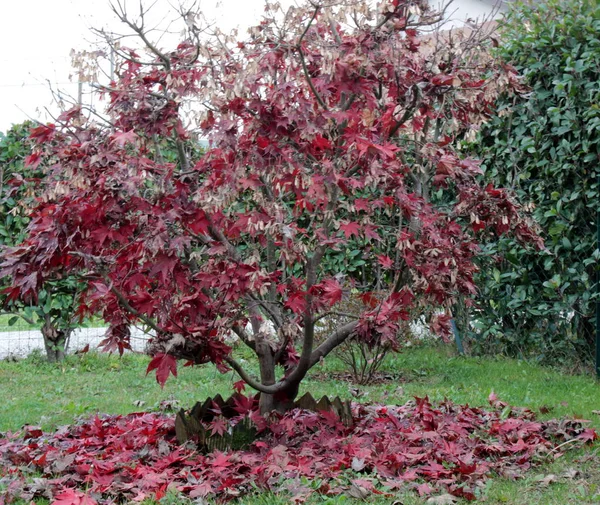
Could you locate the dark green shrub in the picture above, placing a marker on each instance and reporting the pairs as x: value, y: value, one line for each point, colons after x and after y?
x: 545, y: 145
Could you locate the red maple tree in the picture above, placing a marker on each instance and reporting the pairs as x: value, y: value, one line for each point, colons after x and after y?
x: 332, y: 129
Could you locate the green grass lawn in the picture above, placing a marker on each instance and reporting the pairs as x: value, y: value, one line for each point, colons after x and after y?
x: 34, y: 392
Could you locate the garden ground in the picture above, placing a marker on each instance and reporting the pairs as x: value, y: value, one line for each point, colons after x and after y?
x: 34, y: 392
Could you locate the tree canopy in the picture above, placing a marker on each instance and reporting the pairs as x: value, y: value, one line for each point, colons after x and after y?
x: 332, y: 129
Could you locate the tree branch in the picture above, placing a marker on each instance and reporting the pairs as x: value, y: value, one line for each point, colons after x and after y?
x: 332, y: 341
x: 251, y: 381
x: 126, y: 305
x: 243, y: 335
x: 407, y: 113
x: 303, y: 60
x: 335, y: 313
x: 183, y: 158
x: 122, y: 15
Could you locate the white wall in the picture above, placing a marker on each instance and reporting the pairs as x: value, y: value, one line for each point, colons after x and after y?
x: 462, y: 12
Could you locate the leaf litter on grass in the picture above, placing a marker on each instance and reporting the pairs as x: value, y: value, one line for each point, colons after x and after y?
x: 447, y: 449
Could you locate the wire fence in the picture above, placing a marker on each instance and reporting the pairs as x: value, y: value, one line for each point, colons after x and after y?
x: 21, y: 339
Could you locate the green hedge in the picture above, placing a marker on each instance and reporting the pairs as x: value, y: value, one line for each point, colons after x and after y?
x: 545, y: 145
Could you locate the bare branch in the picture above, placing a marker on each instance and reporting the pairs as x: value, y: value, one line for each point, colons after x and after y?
x: 332, y: 341
x: 243, y: 335
x: 303, y: 60
x: 251, y: 381
x: 139, y: 30
x: 337, y: 314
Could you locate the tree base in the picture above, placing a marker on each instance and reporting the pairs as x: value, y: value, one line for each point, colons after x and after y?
x: 195, y: 424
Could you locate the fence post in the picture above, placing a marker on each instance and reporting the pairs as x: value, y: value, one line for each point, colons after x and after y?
x: 459, y: 345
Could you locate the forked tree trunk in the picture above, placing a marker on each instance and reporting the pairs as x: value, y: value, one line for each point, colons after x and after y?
x: 55, y: 341
x: 282, y: 401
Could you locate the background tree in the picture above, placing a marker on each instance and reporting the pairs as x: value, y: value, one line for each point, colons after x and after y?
x: 545, y: 145
x: 20, y: 185
x: 324, y: 125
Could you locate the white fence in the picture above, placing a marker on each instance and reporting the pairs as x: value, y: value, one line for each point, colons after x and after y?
x: 21, y: 342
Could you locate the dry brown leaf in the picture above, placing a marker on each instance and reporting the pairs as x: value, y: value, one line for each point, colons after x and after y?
x: 358, y: 492
x: 443, y: 499
x: 357, y: 464
x: 571, y: 473
x: 546, y: 480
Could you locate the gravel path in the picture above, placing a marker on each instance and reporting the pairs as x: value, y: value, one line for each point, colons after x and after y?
x: 21, y: 343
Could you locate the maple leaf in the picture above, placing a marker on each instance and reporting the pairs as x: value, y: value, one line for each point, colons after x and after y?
x: 164, y: 364
x: 441, y: 324
x: 220, y: 461
x: 371, y: 232
x: 239, y: 386
x: 320, y: 142
x: 163, y: 266
x: 369, y: 299
x: 201, y: 490
x: 116, y: 338
x: 445, y: 80
x: 385, y: 261
x: 73, y: 497
x: 218, y: 426
x: 330, y: 291
x: 243, y: 404
x: 296, y: 302
x: 443, y: 499
x: 121, y: 139
x: 350, y: 229
x: 43, y: 133
x: 33, y: 160
x: 588, y: 435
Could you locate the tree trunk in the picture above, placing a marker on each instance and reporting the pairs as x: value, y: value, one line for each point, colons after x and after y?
x: 282, y: 401
x: 55, y: 341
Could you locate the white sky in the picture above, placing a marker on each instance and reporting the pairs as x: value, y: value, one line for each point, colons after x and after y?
x: 37, y: 36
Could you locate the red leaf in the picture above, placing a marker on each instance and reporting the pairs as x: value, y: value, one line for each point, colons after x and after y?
x: 164, y: 364
x: 350, y: 229
x: 330, y: 291
x: 385, y: 261
x: 441, y: 324
x: 121, y: 139
x: 33, y: 160
x: 220, y: 461
x: 43, y: 133
x: 588, y: 435
x: 320, y: 142
x: 73, y: 497
x: 369, y: 299
x: 296, y: 302
x: 218, y: 426
x: 83, y: 350
x: 445, y: 80
x: 239, y: 386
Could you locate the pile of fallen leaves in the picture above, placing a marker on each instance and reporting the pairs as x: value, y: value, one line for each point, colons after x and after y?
x: 447, y: 449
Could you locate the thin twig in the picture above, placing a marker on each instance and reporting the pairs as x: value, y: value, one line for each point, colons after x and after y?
x: 303, y: 60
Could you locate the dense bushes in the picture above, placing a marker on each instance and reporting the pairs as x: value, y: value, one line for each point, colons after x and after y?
x: 545, y: 145
x: 20, y: 188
